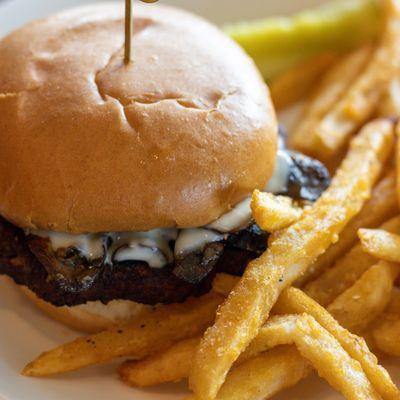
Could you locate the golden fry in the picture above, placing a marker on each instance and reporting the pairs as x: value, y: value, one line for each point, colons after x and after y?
x: 294, y: 84
x: 316, y: 345
x: 273, y: 213
x: 386, y: 335
x: 397, y: 160
x: 391, y: 105
x: 394, y: 304
x: 290, y: 253
x: 381, y: 244
x: 333, y: 85
x: 346, y: 271
x: 359, y: 103
x: 155, y: 332
x: 386, y: 330
x: 381, y: 206
x: 223, y: 284
x: 324, y: 352
x: 366, y: 299
x: 295, y: 301
x: 265, y: 375
x: 172, y: 365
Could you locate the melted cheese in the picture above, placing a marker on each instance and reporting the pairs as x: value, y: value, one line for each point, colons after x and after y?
x: 153, y: 247
x: 191, y: 240
x: 279, y: 181
x: 239, y: 217
x: 90, y: 245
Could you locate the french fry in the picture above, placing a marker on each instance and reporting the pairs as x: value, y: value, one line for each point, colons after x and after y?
x: 346, y: 271
x: 294, y: 84
x: 380, y: 207
x: 155, y: 332
x: 380, y: 244
x: 332, y: 86
x: 386, y: 330
x: 349, y: 269
x: 323, y: 351
x: 174, y: 364
x: 295, y: 301
x: 316, y: 345
x: 265, y: 375
x: 290, y: 253
x: 359, y: 103
x: 171, y: 365
x: 273, y: 213
x: 366, y: 299
x: 386, y: 335
x: 223, y: 284
x: 394, y: 304
x: 397, y: 160
x: 391, y: 104
x: 167, y: 366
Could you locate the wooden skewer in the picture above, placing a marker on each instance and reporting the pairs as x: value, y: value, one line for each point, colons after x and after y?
x: 129, y: 28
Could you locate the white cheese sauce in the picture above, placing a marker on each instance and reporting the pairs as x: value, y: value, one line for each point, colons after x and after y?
x: 90, y: 245
x: 153, y: 247
x: 191, y: 240
x: 239, y: 217
x: 279, y: 181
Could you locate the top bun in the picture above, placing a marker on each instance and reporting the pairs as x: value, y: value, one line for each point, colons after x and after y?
x: 89, y: 144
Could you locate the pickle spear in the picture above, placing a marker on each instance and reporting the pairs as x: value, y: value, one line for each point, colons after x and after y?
x: 279, y: 43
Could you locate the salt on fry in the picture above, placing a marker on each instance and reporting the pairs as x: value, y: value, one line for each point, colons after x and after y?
x: 379, y: 208
x: 332, y: 86
x: 381, y: 244
x: 248, y: 306
x: 273, y: 213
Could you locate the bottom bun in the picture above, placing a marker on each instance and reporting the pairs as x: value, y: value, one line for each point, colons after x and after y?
x: 92, y: 317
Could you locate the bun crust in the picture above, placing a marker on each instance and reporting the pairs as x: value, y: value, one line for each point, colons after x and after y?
x: 89, y: 144
x: 92, y: 317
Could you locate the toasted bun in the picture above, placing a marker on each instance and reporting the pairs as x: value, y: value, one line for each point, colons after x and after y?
x: 89, y: 144
x: 92, y: 317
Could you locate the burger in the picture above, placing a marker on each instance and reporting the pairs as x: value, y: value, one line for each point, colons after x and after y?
x: 123, y: 186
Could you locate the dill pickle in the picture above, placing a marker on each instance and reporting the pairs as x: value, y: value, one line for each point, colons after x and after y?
x: 279, y: 43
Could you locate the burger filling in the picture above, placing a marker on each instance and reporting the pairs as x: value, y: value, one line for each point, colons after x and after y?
x: 158, y: 266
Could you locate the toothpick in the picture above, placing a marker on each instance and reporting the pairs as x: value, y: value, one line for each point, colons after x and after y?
x: 128, y: 30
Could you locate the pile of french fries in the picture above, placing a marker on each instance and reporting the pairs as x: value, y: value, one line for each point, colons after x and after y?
x: 325, y: 287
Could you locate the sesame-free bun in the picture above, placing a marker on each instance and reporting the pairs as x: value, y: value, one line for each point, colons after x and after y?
x: 91, y: 317
x: 89, y: 144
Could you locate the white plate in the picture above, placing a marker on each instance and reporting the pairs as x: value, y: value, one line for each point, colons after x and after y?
x: 24, y: 332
